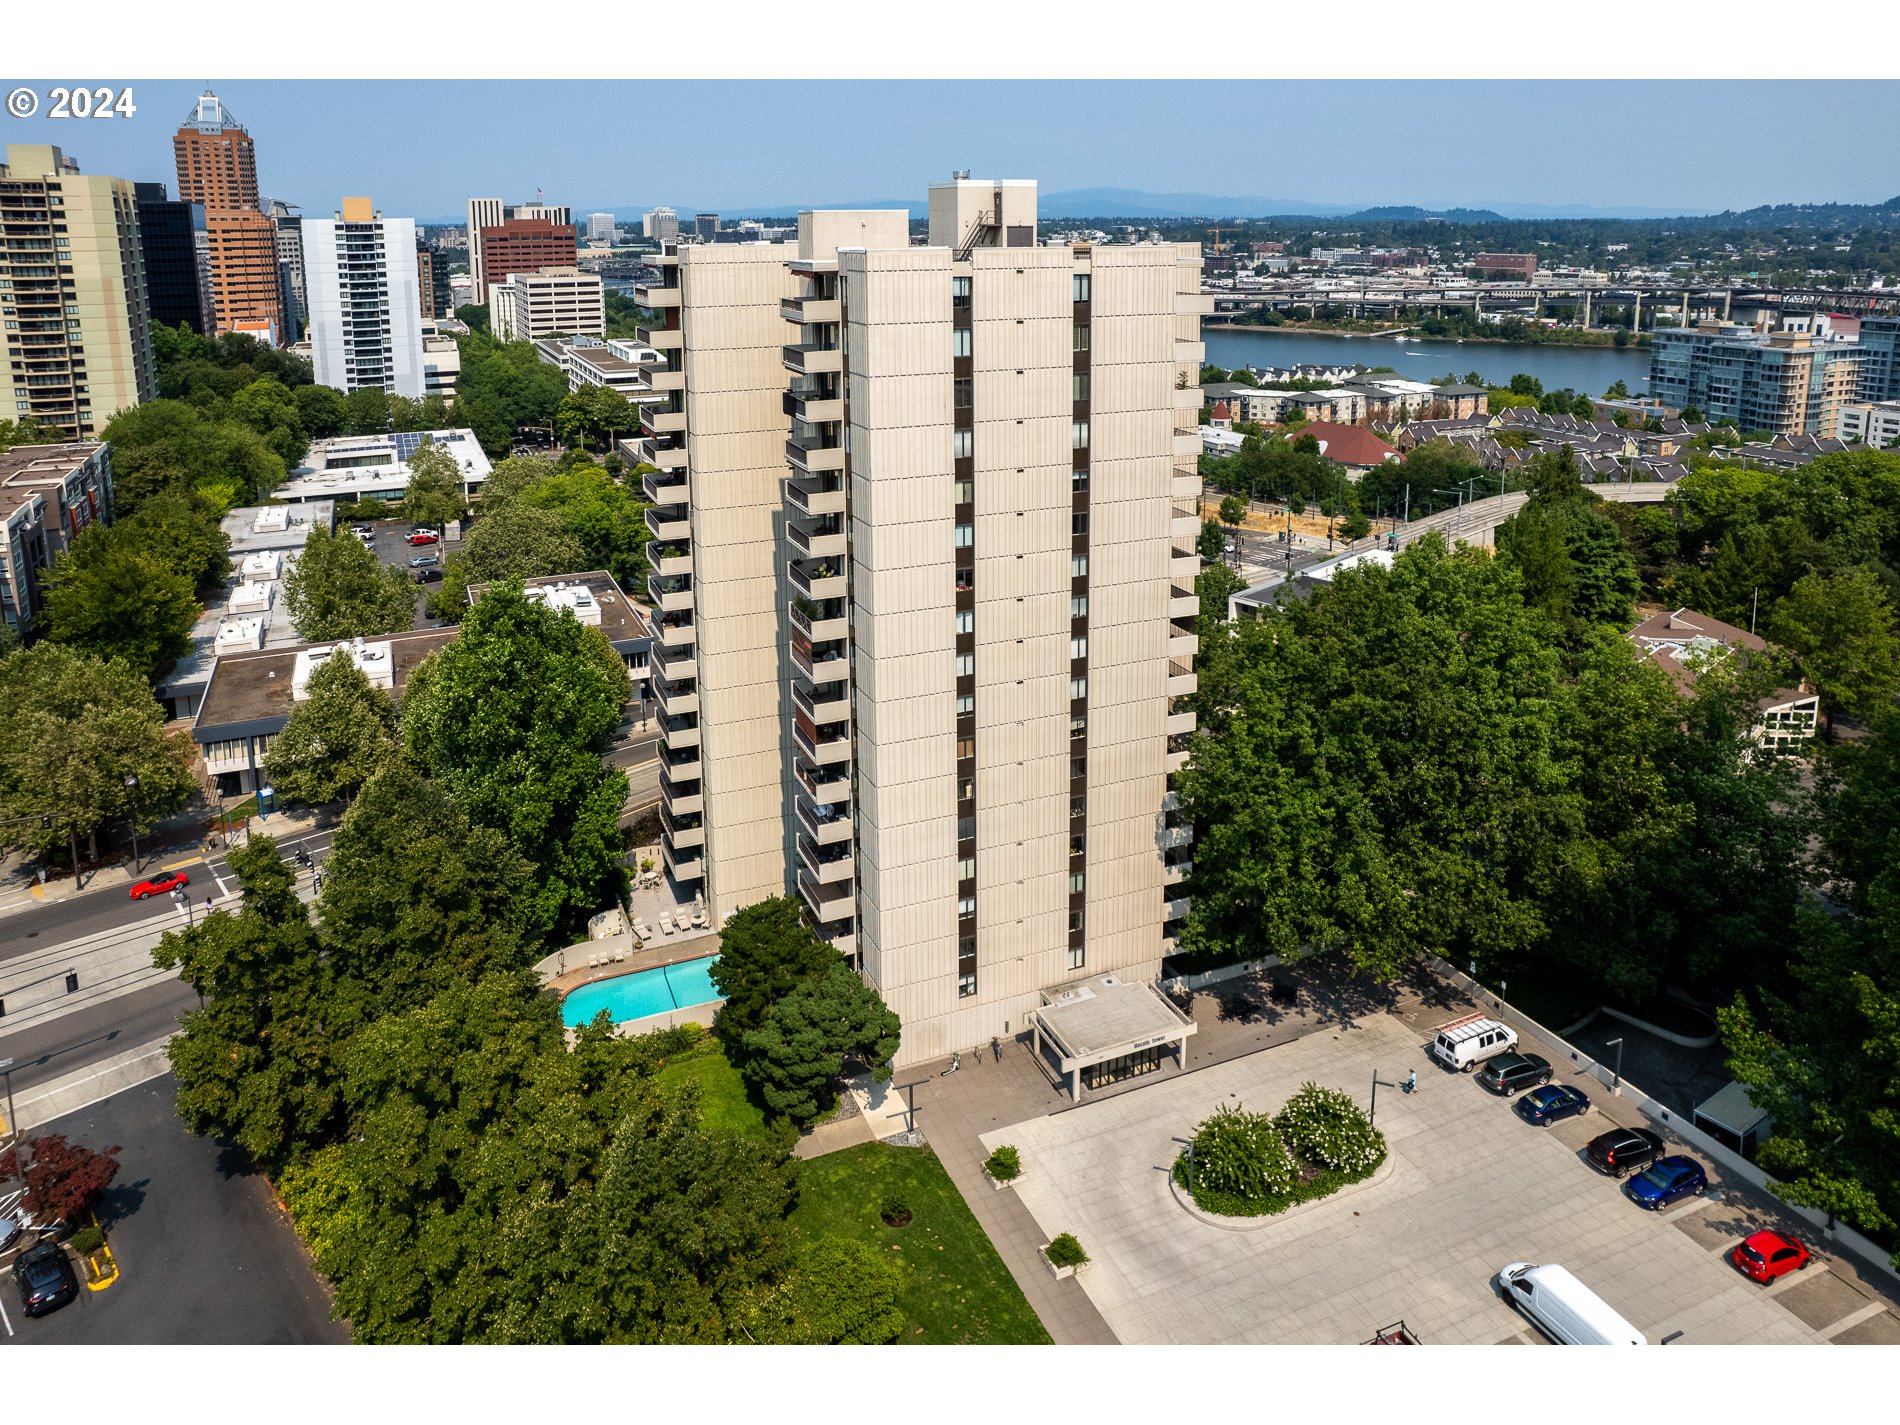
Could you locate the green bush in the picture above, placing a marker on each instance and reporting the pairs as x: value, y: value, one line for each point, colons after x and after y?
x: 839, y: 1292
x: 1064, y: 1251
x: 1329, y: 1130
x: 88, y: 1240
x: 1004, y: 1165
x: 1240, y: 1154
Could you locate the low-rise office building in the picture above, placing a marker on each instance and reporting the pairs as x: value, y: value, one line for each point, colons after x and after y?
x: 375, y: 467
x: 549, y: 302
x: 622, y: 366
x: 48, y: 495
x: 1874, y: 423
x: 1684, y: 643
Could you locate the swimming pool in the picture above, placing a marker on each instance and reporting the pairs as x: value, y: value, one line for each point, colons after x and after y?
x: 644, y: 992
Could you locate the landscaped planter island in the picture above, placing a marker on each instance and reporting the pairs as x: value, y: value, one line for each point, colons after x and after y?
x: 1243, y: 1165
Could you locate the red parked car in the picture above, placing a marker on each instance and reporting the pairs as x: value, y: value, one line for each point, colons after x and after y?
x: 158, y: 885
x: 424, y: 536
x: 1768, y: 1255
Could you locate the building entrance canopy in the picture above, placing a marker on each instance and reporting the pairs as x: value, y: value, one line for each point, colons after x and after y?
x: 1100, y: 1027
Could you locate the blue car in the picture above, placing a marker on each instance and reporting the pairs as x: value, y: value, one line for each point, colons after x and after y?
x: 1665, y: 1181
x: 1544, y: 1106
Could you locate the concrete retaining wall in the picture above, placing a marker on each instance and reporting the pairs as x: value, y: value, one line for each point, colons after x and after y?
x: 1870, y: 1254
x: 1221, y: 974
x: 672, y: 1019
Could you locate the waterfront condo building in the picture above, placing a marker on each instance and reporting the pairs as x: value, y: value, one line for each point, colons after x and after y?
x: 1784, y: 382
x: 76, y: 345
x: 217, y: 167
x: 924, y: 524
x: 365, y: 324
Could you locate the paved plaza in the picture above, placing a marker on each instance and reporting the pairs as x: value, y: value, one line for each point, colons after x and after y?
x: 1469, y: 1188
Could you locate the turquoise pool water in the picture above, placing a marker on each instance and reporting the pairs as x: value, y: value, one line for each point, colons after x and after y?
x: 644, y: 992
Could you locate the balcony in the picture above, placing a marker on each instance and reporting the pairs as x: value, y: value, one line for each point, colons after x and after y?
x: 1187, y: 442
x: 674, y: 630
x: 681, y: 802
x: 823, y: 581
x: 660, y: 378
x: 1181, y: 680
x: 1187, y: 398
x: 657, y: 420
x: 668, y: 523
x: 1175, y: 872
x: 664, y: 487
x: 826, y: 902
x: 1183, y: 603
x: 821, y: 623
x: 661, y: 338
x: 1182, y: 645
x: 1187, y: 487
x: 1185, y: 522
x: 826, y: 825
x: 810, y: 311
x: 671, y: 560
x: 667, y: 457
x: 814, y: 452
x: 820, y: 751
x: 828, y: 865
x: 681, y: 763
x: 1176, y: 909
x: 812, y: 497
x: 814, y: 407
x: 813, y: 359
x: 1180, y: 722
x: 827, y: 704
x: 1178, y: 751
x: 676, y: 699
x: 685, y: 865
x: 823, y: 784
x: 669, y: 595
x: 1182, y: 567
x: 655, y: 298
x: 683, y: 831
x: 674, y: 663
x: 826, y: 663
x: 825, y: 540
x: 1174, y: 837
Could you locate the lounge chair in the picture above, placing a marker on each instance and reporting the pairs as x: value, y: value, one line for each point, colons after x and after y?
x: 666, y: 924
x: 593, y: 959
x: 620, y: 953
x: 642, y: 931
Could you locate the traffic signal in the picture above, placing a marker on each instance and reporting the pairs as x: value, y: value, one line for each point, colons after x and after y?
x: 46, y: 823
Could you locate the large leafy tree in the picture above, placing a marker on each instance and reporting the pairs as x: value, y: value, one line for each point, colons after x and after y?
x: 765, y: 952
x: 163, y: 444
x: 268, y: 407
x: 336, y: 739
x: 520, y: 541
x: 116, y: 594
x: 1570, y: 554
x: 256, y: 1063
x: 322, y: 410
x: 338, y: 589
x: 840, y: 1291
x: 513, y: 718
x: 793, y: 1059
x: 415, y: 898
x: 599, y: 513
x: 434, y: 496
x: 73, y: 729
x: 1841, y: 633
x: 182, y: 527
x: 64, y: 1180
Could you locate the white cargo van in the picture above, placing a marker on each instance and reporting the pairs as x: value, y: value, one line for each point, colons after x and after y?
x: 1463, y: 1044
x: 1564, y: 1308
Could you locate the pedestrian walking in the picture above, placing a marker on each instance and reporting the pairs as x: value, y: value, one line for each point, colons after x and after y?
x: 1411, y: 1081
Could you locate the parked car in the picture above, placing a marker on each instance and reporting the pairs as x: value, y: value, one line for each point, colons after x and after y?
x: 1465, y: 1043
x: 423, y: 561
x: 1666, y: 1181
x: 1766, y: 1255
x: 1544, y: 1106
x: 429, y: 576
x: 45, y: 1279
x: 424, y: 536
x: 1622, y: 1151
x: 362, y: 529
x: 159, y: 885
x: 1508, y: 1073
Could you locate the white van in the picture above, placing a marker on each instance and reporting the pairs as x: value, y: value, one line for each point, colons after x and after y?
x: 1564, y: 1308
x: 1463, y: 1044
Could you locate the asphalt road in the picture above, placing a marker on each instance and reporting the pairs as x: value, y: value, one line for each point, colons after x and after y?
x: 205, y: 1256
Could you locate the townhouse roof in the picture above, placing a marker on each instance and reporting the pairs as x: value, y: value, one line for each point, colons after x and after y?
x: 1349, y: 445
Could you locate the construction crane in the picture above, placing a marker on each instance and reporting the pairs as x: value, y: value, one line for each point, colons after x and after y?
x: 1219, y: 247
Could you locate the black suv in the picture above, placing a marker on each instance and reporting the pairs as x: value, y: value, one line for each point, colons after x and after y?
x: 1623, y: 1150
x: 45, y: 1278
x: 1508, y: 1073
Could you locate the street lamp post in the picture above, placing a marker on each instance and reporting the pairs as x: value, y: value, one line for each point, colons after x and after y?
x: 1616, y: 1082
x: 133, y: 782
x: 13, y: 1123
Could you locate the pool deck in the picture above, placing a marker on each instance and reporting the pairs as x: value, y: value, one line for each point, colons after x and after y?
x: 671, y: 951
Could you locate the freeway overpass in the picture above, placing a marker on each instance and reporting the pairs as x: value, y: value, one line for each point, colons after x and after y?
x: 1690, y: 302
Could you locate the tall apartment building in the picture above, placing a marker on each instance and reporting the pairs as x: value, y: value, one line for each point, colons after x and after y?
x: 705, y: 226
x: 177, y: 287
x: 1785, y: 382
x: 553, y: 301
x: 288, y: 222
x: 923, y: 591
x: 660, y: 224
x: 1879, y: 378
x: 76, y: 343
x: 482, y: 213
x: 600, y: 227
x: 434, y: 294
x: 365, y: 324
x: 524, y: 245
x: 217, y: 167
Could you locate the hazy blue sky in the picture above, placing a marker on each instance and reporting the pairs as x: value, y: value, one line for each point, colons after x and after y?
x: 421, y: 147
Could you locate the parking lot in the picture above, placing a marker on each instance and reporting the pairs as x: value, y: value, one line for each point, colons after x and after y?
x: 390, y: 544
x: 1468, y: 1188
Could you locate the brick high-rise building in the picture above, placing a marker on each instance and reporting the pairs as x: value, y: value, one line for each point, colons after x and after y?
x: 217, y: 167
x: 524, y: 245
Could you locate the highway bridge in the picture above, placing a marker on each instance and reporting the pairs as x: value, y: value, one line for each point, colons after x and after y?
x: 1689, y: 303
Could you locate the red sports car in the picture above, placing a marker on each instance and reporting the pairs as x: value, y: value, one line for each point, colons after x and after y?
x: 158, y: 885
x: 1767, y: 1255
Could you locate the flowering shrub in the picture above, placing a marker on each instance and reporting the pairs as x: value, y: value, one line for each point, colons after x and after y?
x: 1004, y: 1165
x: 1240, y: 1154
x: 1329, y: 1130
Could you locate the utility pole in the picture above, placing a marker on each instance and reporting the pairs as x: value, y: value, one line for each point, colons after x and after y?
x: 1372, y: 1114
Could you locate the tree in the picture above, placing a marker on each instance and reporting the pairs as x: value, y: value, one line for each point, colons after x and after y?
x: 322, y: 410
x: 336, y: 739
x: 181, y: 527
x: 1355, y: 526
x: 765, y: 952
x: 518, y: 541
x: 474, y: 317
x: 1212, y: 543
x: 63, y: 1180
x: 800, y: 1047
x: 1215, y: 584
x: 1617, y: 392
x: 115, y: 596
x: 1692, y: 415
x: 27, y: 431
x: 368, y: 408
x: 1233, y: 510
x: 338, y: 589
x: 435, y: 487
x: 602, y: 515
x: 163, y: 444
x: 1841, y: 633
x: 416, y: 898
x: 513, y: 718
x: 511, y: 478
x: 839, y: 1292
x: 73, y: 728
x: 268, y: 407
x: 256, y: 1063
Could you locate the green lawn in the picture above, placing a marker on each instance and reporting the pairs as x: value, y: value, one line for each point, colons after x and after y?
x: 956, y: 1289
x: 722, y: 1097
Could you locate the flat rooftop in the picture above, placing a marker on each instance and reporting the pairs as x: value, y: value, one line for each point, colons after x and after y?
x: 26, y: 470
x: 593, y: 598
x: 251, y: 694
x: 256, y: 528
x: 1104, y: 1017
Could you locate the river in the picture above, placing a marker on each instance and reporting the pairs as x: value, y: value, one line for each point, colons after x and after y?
x: 1589, y: 369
